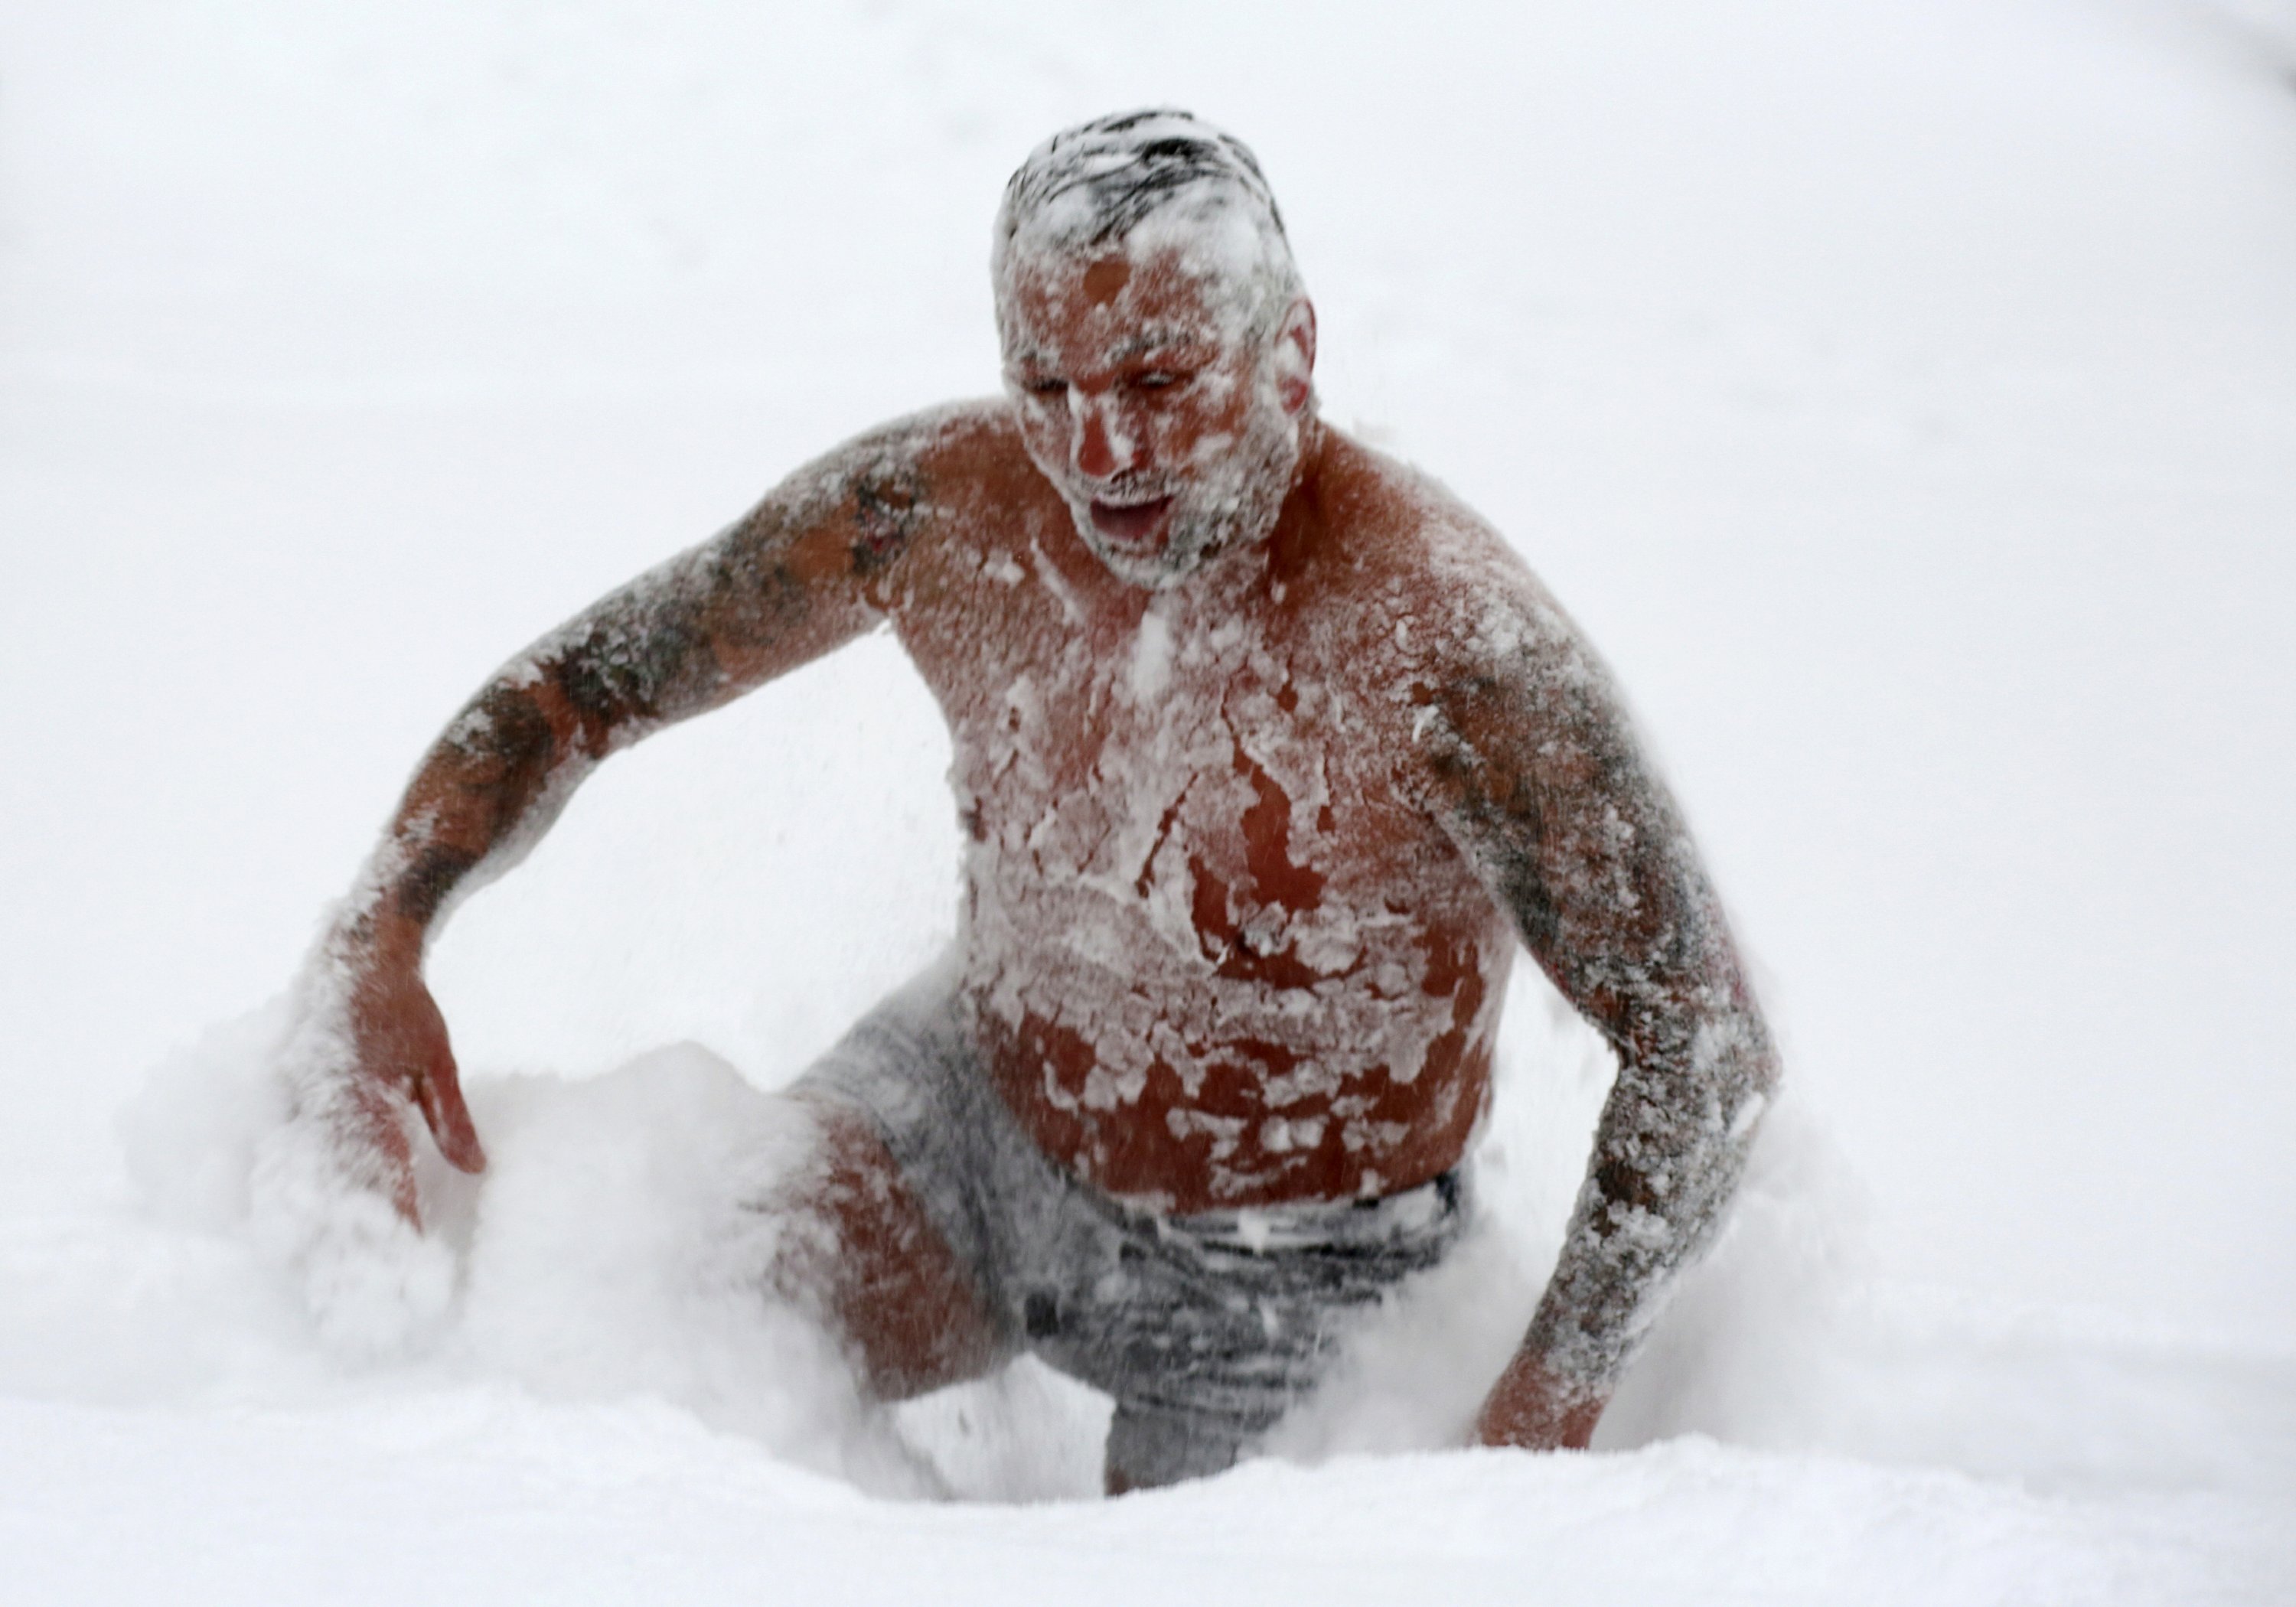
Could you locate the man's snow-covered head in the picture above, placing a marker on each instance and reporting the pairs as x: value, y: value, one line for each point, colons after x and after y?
x: 1151, y: 183
x: 1158, y: 347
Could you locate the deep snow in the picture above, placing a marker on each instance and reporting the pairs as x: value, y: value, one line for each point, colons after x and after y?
x: 1903, y: 398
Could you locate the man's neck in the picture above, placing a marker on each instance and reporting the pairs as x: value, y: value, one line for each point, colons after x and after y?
x: 1299, y: 522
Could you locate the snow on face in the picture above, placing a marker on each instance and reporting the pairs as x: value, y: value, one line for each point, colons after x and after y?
x: 1156, y: 417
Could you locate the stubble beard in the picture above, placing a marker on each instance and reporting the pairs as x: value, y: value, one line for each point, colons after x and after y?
x: 1220, y: 508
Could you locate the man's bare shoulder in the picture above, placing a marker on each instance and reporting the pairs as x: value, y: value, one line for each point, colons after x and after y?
x: 958, y: 452
x: 942, y: 457
x: 960, y: 466
x: 890, y: 501
x: 1428, y: 566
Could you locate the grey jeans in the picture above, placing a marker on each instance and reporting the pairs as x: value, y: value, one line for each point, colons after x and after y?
x: 1204, y: 1329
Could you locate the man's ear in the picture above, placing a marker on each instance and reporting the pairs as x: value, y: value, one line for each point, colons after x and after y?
x: 1295, y: 357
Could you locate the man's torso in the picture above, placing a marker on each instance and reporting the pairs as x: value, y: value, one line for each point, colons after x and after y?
x: 1214, y: 953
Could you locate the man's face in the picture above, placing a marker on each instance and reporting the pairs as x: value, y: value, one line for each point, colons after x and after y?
x: 1159, y: 420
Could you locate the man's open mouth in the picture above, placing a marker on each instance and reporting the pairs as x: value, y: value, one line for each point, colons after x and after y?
x: 1134, y: 525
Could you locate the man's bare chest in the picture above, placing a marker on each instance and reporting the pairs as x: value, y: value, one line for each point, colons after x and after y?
x: 1215, y: 950
x: 1231, y: 780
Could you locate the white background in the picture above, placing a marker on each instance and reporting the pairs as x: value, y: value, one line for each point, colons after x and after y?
x: 1903, y: 396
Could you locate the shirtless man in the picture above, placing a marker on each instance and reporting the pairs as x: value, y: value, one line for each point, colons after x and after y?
x: 1267, y: 753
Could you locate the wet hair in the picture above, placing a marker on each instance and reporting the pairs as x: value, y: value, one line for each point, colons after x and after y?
x: 1161, y: 172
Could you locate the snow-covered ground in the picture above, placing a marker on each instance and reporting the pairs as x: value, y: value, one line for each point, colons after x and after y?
x: 1904, y: 395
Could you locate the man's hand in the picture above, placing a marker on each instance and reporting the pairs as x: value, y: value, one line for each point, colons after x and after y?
x: 1530, y: 1407
x: 333, y: 1201
x: 400, y: 1041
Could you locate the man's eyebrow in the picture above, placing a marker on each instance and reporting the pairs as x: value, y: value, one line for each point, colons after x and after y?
x: 1155, y: 338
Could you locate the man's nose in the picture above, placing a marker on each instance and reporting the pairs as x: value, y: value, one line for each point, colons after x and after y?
x: 1102, y: 447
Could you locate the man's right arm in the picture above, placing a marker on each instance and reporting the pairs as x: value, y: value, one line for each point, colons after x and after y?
x: 801, y: 574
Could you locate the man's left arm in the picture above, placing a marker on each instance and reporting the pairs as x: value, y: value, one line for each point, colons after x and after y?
x: 1535, y: 771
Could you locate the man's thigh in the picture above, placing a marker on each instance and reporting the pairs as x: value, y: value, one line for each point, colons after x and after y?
x: 862, y: 1250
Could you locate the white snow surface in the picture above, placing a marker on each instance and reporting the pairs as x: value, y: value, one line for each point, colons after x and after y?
x: 1903, y: 397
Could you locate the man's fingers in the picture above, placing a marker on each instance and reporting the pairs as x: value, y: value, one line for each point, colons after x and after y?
x: 441, y: 1095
